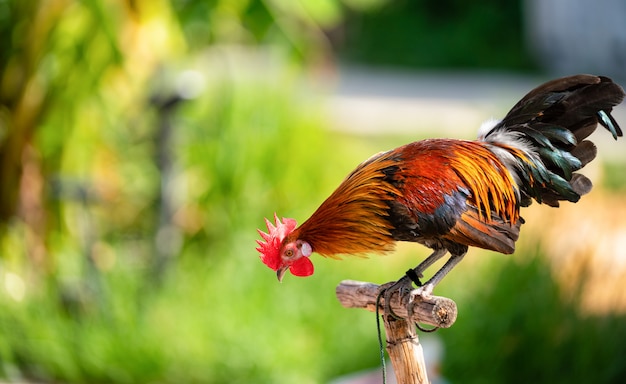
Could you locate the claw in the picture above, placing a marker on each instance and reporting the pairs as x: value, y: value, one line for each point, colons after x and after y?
x: 401, y: 287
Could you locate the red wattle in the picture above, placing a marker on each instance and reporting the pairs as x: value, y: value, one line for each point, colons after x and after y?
x: 302, y: 267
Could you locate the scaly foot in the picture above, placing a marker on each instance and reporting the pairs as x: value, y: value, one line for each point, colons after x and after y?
x: 425, y: 291
x: 400, y: 287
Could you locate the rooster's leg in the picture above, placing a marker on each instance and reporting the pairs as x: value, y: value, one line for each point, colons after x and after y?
x: 430, y: 260
x: 427, y: 289
x: 405, y: 283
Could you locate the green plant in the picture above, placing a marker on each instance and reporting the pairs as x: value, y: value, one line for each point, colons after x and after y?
x: 442, y: 34
x: 520, y: 327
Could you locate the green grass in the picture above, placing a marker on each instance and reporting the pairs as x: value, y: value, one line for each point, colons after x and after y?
x: 81, y: 309
x: 252, y: 145
x: 244, y: 150
x: 518, y: 326
x: 220, y: 316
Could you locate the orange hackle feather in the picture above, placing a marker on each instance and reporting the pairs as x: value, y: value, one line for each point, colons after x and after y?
x: 355, y: 218
x: 352, y: 219
x: 491, y: 184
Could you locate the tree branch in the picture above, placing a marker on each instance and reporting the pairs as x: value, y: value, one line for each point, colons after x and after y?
x: 435, y: 310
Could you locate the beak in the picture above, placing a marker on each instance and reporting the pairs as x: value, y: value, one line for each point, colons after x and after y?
x: 280, y: 272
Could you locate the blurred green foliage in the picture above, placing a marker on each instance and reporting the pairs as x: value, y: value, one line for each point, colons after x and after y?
x: 614, y: 176
x: 484, y: 34
x: 136, y: 134
x: 137, y: 129
x: 522, y: 327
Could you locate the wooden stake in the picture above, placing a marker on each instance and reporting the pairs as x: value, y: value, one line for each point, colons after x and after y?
x: 405, y: 351
x: 403, y: 347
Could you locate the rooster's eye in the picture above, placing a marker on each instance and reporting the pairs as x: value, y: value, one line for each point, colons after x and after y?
x: 289, y: 253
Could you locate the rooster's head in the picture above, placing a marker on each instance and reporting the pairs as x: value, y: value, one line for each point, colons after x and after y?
x: 280, y: 253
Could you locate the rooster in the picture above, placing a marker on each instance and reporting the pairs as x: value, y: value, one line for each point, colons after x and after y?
x: 450, y: 194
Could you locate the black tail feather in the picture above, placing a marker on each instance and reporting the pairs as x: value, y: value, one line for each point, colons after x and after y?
x: 585, y: 151
x: 549, y: 127
x: 610, y: 124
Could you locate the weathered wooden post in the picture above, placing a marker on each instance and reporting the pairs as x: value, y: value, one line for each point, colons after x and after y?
x: 403, y: 347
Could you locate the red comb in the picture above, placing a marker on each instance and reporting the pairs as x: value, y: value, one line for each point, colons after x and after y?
x: 270, y: 247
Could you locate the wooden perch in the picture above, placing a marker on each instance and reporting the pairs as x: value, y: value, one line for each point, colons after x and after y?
x: 435, y: 311
x: 405, y: 351
x: 403, y: 347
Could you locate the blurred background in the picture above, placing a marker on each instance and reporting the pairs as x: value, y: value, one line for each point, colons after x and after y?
x: 142, y: 142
